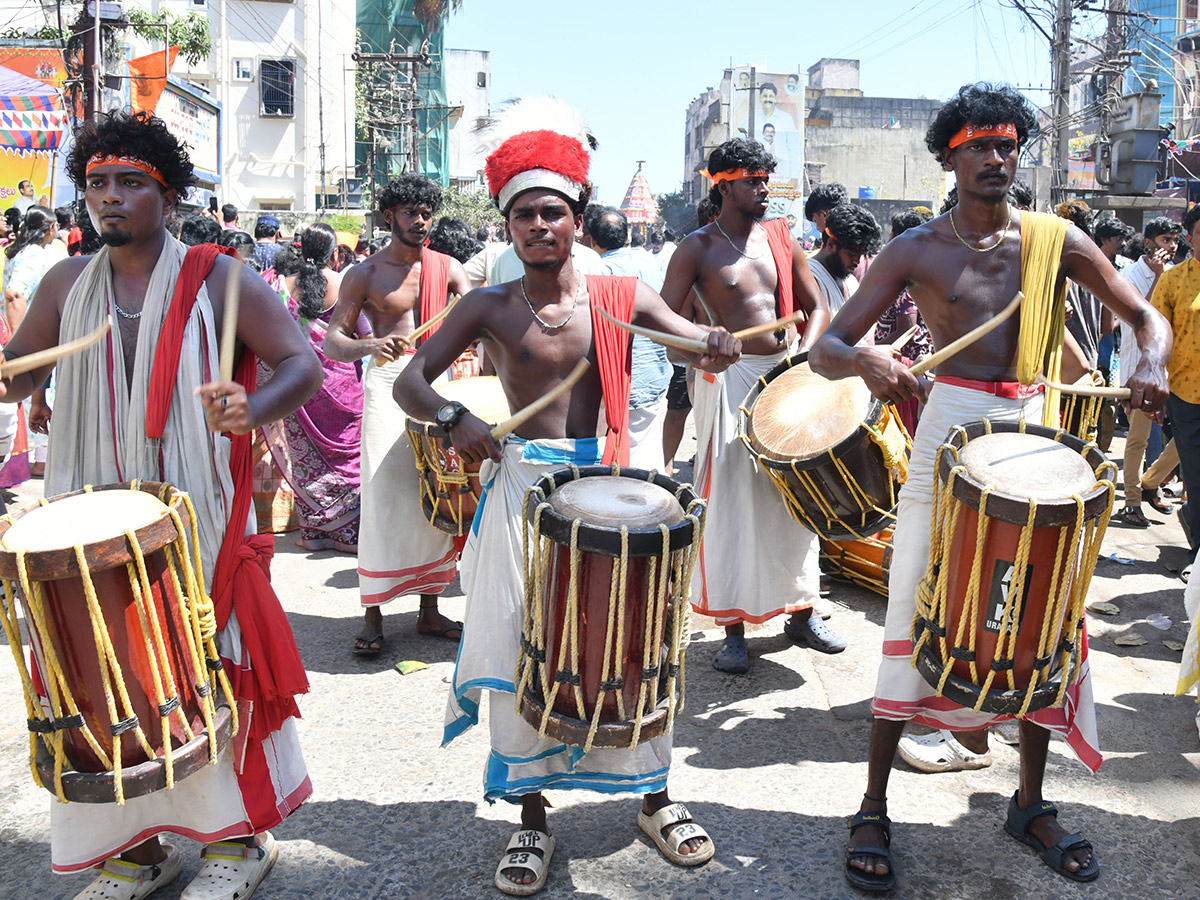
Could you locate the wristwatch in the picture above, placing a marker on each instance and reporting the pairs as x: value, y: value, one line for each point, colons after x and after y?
x: 449, y: 414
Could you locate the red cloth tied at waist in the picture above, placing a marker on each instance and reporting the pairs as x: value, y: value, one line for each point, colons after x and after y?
x: 242, y: 576
x: 1008, y: 390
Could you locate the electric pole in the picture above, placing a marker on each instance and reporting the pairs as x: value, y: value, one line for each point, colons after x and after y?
x: 1060, y: 79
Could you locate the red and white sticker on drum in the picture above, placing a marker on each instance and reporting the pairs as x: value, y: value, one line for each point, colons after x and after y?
x: 1002, y: 579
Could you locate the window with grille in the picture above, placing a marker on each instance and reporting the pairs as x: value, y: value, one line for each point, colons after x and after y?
x: 277, y: 87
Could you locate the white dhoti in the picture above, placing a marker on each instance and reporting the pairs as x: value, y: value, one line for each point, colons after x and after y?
x: 493, y: 565
x: 756, y: 561
x: 1189, y: 666
x: 646, y: 436
x: 399, y: 552
x: 901, y: 692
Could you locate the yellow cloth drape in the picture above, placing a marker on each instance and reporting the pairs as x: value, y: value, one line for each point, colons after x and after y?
x: 1043, y: 311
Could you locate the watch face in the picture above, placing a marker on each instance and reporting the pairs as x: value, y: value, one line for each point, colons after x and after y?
x: 447, y: 414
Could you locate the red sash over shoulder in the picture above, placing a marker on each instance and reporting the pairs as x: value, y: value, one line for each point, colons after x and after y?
x: 242, y: 576
x: 779, y: 238
x: 614, y: 294
x: 435, y: 276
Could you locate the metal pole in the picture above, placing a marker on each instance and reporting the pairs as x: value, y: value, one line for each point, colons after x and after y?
x: 96, y: 61
x: 753, y: 135
x: 1061, y: 66
x: 320, y: 105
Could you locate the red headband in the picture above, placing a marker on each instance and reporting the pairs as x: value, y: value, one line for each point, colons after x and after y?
x: 733, y: 175
x: 969, y: 132
x: 113, y: 159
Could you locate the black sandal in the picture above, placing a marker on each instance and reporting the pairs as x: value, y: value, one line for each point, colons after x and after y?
x: 1132, y: 515
x: 1017, y: 826
x: 871, y: 881
x: 1156, y: 501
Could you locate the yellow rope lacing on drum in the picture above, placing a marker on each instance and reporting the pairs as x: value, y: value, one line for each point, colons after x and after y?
x: 1043, y: 311
x: 197, y: 611
x: 1086, y: 426
x: 667, y: 610
x: 450, y: 485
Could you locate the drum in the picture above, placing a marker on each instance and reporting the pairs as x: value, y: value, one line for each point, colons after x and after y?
x: 449, y: 489
x: 837, y: 455
x: 1019, y: 516
x: 608, y: 567
x: 1080, y: 415
x: 866, y: 562
x: 124, y: 677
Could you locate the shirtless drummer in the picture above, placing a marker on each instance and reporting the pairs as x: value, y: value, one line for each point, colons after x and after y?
x: 756, y: 561
x: 397, y: 288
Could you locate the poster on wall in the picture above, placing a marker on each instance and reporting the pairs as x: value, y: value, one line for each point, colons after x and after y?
x: 769, y: 107
x: 195, y: 123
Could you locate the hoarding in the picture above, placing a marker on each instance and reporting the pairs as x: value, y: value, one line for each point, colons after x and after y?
x: 769, y: 107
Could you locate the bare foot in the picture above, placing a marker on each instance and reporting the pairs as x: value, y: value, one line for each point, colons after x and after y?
x: 870, y: 836
x: 653, y: 803
x: 147, y: 853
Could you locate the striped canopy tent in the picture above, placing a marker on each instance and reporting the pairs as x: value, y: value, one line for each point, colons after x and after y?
x: 639, y: 205
x: 32, y: 117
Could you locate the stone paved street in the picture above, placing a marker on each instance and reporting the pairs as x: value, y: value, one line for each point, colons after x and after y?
x: 771, y: 763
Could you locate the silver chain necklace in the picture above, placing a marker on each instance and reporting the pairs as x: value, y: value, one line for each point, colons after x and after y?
x: 543, y: 322
x: 123, y: 314
x: 717, y: 222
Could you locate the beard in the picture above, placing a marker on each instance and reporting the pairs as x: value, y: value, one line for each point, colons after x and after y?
x: 116, y: 238
x: 834, y: 266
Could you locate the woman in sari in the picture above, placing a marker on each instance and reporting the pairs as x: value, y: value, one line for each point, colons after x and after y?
x: 317, y: 447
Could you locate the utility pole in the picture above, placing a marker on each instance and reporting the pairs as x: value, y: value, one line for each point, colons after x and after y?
x: 1060, y: 80
x: 753, y: 98
x: 320, y: 106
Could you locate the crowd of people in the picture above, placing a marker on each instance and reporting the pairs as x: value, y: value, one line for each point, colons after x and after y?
x: 329, y: 369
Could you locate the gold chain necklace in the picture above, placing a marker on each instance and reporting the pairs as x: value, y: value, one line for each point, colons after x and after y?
x: 1003, y: 234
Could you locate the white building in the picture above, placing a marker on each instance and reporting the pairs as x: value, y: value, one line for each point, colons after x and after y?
x: 468, y: 78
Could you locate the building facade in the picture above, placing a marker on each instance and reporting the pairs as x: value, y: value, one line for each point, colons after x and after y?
x: 468, y: 79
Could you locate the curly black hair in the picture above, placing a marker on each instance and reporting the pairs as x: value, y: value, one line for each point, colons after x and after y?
x: 411, y: 188
x: 1108, y: 226
x: 706, y: 211
x: 198, y: 229
x: 454, y: 238
x: 738, y: 154
x: 823, y: 198
x: 139, y: 135
x: 1077, y: 213
x: 981, y: 104
x: 854, y: 227
x: 904, y: 219
x: 1020, y: 194
x: 1162, y: 225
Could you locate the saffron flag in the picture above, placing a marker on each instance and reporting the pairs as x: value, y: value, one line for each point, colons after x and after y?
x: 149, y: 77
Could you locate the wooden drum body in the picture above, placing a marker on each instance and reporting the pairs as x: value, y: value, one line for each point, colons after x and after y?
x: 866, y: 562
x: 836, y: 454
x: 1080, y: 413
x: 1020, y: 515
x: 450, y: 489
x: 608, y: 567
x: 125, y: 672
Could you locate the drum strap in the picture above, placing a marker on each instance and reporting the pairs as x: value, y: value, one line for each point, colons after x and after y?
x: 615, y: 295
x: 435, y: 276
x: 1043, y: 311
x: 779, y: 239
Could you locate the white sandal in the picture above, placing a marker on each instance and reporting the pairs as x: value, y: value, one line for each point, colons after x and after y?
x: 121, y: 880
x: 685, y: 830
x: 231, y: 871
x: 940, y: 751
x: 529, y: 850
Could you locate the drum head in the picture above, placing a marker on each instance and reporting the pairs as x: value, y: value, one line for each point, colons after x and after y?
x: 801, y: 414
x: 1026, y: 465
x: 483, y: 395
x: 82, y: 519
x: 612, y: 501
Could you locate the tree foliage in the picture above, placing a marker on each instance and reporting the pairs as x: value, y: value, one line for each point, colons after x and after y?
x: 190, y: 33
x: 675, y: 211
x: 430, y: 13
x: 476, y: 209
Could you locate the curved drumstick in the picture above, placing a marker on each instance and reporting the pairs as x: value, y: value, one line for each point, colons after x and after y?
x: 31, y: 361
x: 522, y: 416
x: 411, y: 338
x: 687, y: 345
x: 1085, y: 390
x: 233, y: 292
x: 969, y: 338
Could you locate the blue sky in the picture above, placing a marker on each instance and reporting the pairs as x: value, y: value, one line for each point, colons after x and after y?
x: 633, y: 67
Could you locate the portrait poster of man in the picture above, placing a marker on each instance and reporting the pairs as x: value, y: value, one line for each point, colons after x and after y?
x: 778, y: 103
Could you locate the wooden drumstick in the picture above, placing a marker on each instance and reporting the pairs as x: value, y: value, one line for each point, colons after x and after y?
x: 778, y: 325
x: 969, y: 338
x: 522, y: 416
x: 1085, y: 390
x: 31, y: 361
x: 899, y: 343
x: 411, y: 338
x: 233, y: 288
x: 687, y: 345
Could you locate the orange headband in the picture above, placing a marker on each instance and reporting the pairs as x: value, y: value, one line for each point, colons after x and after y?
x: 969, y: 132
x: 733, y: 175
x: 113, y: 159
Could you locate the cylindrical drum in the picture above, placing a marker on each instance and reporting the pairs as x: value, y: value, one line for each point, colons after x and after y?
x: 866, y: 562
x: 450, y: 489
x: 608, y: 565
x: 1020, y: 513
x: 124, y: 673
x: 837, y: 455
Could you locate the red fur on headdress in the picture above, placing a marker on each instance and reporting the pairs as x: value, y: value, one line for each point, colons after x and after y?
x: 541, y: 149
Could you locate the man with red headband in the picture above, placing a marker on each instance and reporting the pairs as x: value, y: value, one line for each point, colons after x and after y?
x: 535, y: 329
x: 756, y: 562
x: 961, y: 269
x: 397, y: 289
x: 144, y: 404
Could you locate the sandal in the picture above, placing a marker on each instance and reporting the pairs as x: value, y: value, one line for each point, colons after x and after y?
x: 1156, y: 500
x: 452, y: 632
x: 121, y: 880
x: 1017, y: 826
x: 733, y: 657
x: 1132, y: 515
x: 871, y: 881
x: 685, y: 830
x: 369, y: 647
x: 940, y: 751
x: 231, y: 871
x: 529, y: 850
